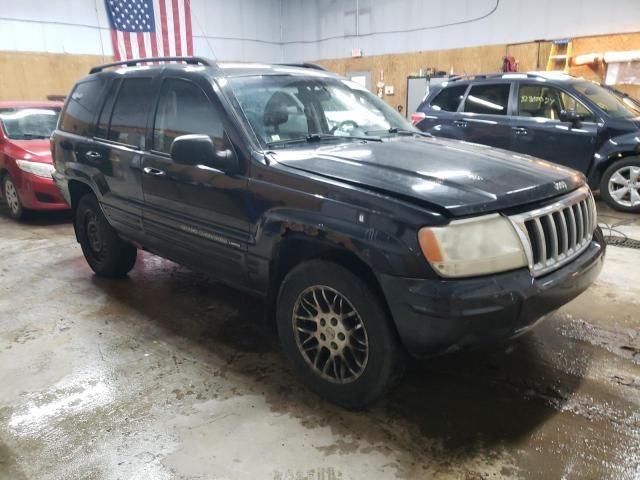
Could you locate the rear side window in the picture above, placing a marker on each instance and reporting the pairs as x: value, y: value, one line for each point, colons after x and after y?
x: 107, y: 108
x: 81, y: 108
x: 449, y: 98
x: 488, y: 99
x: 129, y: 117
x: 184, y: 109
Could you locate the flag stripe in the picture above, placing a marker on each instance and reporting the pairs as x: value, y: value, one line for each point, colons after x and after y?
x: 141, y: 45
x: 181, y: 44
x: 187, y: 24
x: 116, y: 47
x: 126, y: 36
x: 166, y: 51
x: 171, y: 39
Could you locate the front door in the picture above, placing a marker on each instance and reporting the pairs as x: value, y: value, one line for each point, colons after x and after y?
x: 537, y: 129
x: 194, y: 213
x: 484, y: 118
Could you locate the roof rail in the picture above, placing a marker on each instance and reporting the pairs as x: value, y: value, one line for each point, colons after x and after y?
x: 313, y: 66
x: 137, y: 61
x: 505, y: 75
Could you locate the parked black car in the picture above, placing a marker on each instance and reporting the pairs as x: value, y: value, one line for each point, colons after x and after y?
x: 367, y: 238
x: 556, y: 117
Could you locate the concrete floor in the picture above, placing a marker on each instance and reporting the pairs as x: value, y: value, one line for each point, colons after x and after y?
x: 166, y: 375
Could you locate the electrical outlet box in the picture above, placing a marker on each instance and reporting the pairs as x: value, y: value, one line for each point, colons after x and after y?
x: 389, y: 90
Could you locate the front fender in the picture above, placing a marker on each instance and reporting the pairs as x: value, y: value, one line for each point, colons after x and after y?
x: 614, y: 148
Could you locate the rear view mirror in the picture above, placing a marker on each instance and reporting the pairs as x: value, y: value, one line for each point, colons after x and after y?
x: 200, y: 150
x: 571, y: 116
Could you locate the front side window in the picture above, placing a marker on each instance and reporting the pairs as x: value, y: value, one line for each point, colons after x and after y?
x: 284, y: 108
x: 488, y: 99
x: 613, y: 105
x: 129, y: 117
x: 449, y: 98
x: 543, y: 101
x: 29, y: 123
x: 81, y: 107
x: 183, y: 109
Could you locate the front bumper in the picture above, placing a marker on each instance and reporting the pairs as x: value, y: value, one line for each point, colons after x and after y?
x: 438, y: 316
x: 39, y: 193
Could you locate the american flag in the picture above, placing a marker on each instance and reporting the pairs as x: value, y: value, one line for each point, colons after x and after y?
x: 150, y: 28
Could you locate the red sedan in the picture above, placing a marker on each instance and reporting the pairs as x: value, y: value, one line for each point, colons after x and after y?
x: 25, y: 157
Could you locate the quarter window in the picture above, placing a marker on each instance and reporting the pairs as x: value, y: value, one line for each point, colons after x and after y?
x: 449, y: 98
x: 184, y: 109
x: 488, y: 99
x: 129, y: 118
x: 81, y: 107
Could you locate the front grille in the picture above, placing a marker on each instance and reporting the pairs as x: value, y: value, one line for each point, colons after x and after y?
x: 558, y: 232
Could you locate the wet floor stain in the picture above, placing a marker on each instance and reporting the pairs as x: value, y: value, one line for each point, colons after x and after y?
x: 167, y: 375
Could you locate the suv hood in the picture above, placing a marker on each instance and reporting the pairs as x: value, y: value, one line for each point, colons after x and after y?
x: 460, y: 177
x: 40, y: 150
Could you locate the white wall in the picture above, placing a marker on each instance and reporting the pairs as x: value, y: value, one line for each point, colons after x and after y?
x: 233, y: 29
x: 311, y: 27
x: 317, y: 29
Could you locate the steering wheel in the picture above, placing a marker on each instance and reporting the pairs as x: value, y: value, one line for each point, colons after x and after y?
x: 343, y: 124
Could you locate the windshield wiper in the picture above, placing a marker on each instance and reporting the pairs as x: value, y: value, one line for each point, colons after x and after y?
x: 318, y: 137
x: 401, y: 131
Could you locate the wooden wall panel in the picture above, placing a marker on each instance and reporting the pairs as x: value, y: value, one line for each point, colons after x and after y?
x: 33, y: 76
x: 486, y: 59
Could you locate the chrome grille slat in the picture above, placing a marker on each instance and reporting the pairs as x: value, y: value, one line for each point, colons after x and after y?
x: 558, y: 232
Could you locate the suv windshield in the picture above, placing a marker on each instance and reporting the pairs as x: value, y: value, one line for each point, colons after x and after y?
x: 613, y: 105
x: 29, y: 123
x: 285, y: 108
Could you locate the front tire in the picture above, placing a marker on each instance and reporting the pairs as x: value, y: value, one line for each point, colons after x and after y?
x: 12, y: 198
x: 337, y: 335
x: 106, y: 253
x: 620, y: 185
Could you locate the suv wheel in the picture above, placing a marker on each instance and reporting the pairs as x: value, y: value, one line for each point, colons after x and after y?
x: 337, y: 335
x: 620, y: 185
x: 11, y: 196
x: 107, y: 254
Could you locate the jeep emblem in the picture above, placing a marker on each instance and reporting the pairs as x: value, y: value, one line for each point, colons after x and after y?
x: 560, y: 185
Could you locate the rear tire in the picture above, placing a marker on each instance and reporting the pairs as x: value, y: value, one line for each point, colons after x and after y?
x: 346, y: 349
x: 106, y: 253
x: 620, y: 185
x: 12, y: 198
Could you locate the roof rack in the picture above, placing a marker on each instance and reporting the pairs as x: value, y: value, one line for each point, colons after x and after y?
x: 505, y: 75
x: 137, y: 61
x: 313, y: 66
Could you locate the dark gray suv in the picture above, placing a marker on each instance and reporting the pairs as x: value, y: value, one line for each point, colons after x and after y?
x: 555, y: 117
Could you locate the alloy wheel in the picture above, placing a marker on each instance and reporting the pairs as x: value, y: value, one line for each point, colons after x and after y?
x: 93, y: 235
x: 624, y: 186
x: 11, y: 196
x: 330, y: 334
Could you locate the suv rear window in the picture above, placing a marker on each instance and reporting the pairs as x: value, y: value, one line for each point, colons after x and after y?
x: 488, y: 99
x: 81, y: 107
x: 449, y: 98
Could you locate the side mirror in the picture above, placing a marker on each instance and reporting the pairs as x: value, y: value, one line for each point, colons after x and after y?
x: 571, y: 116
x: 200, y: 150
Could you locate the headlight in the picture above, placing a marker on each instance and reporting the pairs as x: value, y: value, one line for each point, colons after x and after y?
x: 474, y: 246
x: 36, y: 168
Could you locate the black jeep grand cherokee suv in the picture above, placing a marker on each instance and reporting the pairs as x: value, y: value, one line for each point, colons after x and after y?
x: 556, y: 117
x: 367, y: 238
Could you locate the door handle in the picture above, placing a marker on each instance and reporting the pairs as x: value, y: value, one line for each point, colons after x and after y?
x: 153, y: 171
x: 460, y: 123
x: 92, y: 155
x: 520, y: 130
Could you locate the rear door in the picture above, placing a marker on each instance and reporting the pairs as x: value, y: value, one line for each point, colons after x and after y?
x: 484, y: 116
x: 537, y: 129
x: 441, y: 114
x: 118, y: 150
x: 194, y: 213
